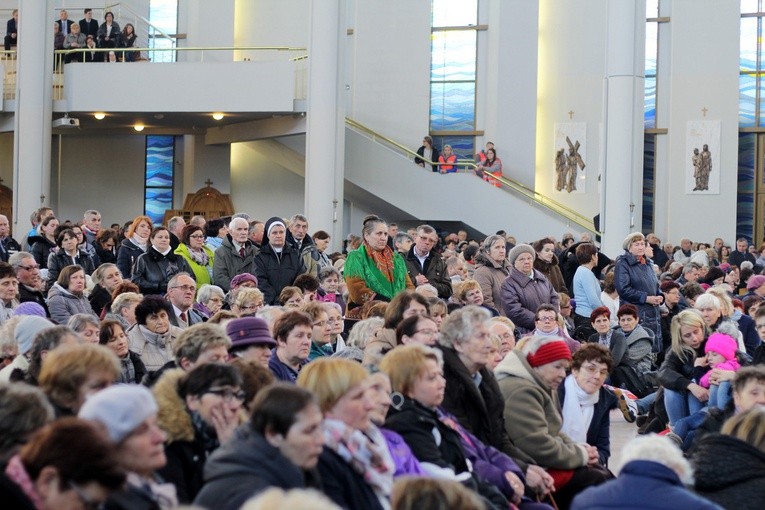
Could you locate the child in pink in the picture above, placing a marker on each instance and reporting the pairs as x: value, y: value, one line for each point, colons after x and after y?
x: 721, y: 353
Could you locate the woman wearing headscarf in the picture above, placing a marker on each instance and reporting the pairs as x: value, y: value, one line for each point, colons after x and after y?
x: 491, y: 270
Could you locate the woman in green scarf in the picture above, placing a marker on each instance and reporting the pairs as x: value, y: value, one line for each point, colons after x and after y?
x: 374, y: 271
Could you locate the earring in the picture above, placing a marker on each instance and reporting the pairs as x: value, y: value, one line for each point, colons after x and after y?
x: 397, y: 400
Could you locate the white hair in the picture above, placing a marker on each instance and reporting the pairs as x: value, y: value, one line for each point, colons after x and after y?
x: 294, y: 499
x: 362, y: 331
x: 234, y: 221
x: 662, y: 450
x: 427, y: 290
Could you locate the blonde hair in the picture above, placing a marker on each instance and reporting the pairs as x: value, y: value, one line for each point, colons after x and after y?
x: 504, y: 320
x: 245, y: 294
x: 68, y: 367
x: 465, y: 287
x: 330, y: 378
x: 748, y: 426
x: 293, y: 499
x: 406, y: 363
x: 726, y: 303
x: 688, y: 318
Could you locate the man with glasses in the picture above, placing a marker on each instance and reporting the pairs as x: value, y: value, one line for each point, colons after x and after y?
x: 181, y: 290
x: 425, y: 265
x: 30, y: 280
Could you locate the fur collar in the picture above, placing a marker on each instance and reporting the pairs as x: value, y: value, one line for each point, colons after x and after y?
x: 172, y: 417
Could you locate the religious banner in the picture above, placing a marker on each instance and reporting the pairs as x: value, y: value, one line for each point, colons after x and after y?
x: 570, y: 157
x: 702, y: 157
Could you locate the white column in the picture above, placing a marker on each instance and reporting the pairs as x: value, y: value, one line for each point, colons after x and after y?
x: 34, y: 108
x: 622, y: 179
x: 325, y: 127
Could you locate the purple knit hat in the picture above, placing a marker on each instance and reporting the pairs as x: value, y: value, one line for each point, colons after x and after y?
x: 30, y: 308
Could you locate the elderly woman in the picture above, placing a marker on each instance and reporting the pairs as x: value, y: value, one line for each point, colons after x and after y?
x: 64, y: 465
x: 365, y: 331
x: 198, y: 256
x: 248, y: 301
x: 546, y: 262
x: 683, y: 396
x: 154, y: 269
x: 210, y: 299
x: 356, y: 466
x: 715, y: 314
x: 9, y: 290
x: 67, y: 254
x: 442, y: 445
x: 72, y: 374
x: 279, y: 447
x: 374, y: 271
x: 329, y: 289
x: 730, y: 467
x: 152, y: 336
x: 86, y: 326
x: 134, y: 245
x: 636, y: 284
x: 123, y: 309
x: 491, y: 270
x: 112, y: 335
x: 528, y: 378
x: 525, y: 289
x: 585, y: 402
x: 748, y: 339
x: 129, y: 415
x: 106, y: 279
x: 67, y: 297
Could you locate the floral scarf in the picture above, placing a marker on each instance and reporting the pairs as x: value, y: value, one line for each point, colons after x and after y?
x: 382, y: 259
x: 17, y: 473
x: 200, y: 257
x: 368, y: 459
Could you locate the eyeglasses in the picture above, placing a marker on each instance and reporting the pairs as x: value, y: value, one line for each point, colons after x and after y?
x: 228, y: 395
x: 87, y: 502
x: 320, y: 324
x: 251, y: 308
x: 200, y: 236
x: 30, y: 268
x: 592, y: 369
x: 185, y: 288
x: 428, y: 332
x: 546, y: 319
x: 335, y: 320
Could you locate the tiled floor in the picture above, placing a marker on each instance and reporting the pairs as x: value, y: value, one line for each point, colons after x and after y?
x: 621, y: 433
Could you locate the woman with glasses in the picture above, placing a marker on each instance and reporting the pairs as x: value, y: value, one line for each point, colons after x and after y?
x: 198, y: 256
x: 84, y: 245
x: 418, y: 329
x: 321, y: 330
x: 158, y: 265
x: 210, y: 299
x: 199, y: 411
x: 248, y: 301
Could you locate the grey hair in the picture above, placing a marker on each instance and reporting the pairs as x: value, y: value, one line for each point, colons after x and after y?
x: 90, y: 212
x: 330, y: 304
x: 234, y: 221
x: 662, y: 450
x: 706, y: 300
x: 426, y: 229
x: 298, y: 217
x: 17, y: 258
x: 173, y: 221
x: 98, y: 274
x: 401, y: 236
x: 23, y: 410
x: 350, y: 352
x: 78, y: 321
x: 746, y: 265
x: 489, y: 241
x: 176, y: 277
x: 361, y: 332
x: 206, y: 291
x: 124, y: 300
x: 460, y: 325
x: 328, y: 271
x: 533, y: 343
x: 267, y: 313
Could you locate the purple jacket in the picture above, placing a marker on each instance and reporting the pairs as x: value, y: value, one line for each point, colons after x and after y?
x: 405, y: 461
x: 521, y: 296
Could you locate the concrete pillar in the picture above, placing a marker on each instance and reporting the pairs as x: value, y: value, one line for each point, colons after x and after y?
x: 34, y: 108
x: 325, y: 126
x: 622, y: 187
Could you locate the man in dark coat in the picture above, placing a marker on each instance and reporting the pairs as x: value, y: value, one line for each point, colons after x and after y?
x: 425, y: 265
x: 235, y: 256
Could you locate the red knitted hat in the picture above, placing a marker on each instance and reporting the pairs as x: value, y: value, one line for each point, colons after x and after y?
x: 549, y: 352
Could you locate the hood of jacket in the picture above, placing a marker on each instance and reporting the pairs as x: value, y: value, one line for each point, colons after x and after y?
x: 481, y: 259
x: 172, y: 416
x: 723, y: 461
x: 58, y: 290
x: 515, y: 365
x: 639, y: 333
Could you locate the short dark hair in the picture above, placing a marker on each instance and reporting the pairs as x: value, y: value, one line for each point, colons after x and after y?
x: 584, y: 252
x: 206, y: 376
x: 321, y: 235
x: 157, y: 230
x: 746, y: 374
x: 187, y: 231
x: 288, y: 322
x: 394, y: 313
x: 601, y: 310
x: 7, y: 270
x: 306, y: 282
x: 668, y: 285
x: 213, y: 226
x: 150, y: 305
x: 545, y: 307
x: 276, y: 407
x: 628, y: 309
x: 66, y: 274
x: 408, y: 326
x: 592, y: 352
x: 64, y: 233
x: 107, y: 330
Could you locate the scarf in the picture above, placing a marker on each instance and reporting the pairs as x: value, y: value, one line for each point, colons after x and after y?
x: 163, y: 494
x: 365, y: 457
x: 158, y: 339
x: 388, y: 281
x: 127, y: 371
x: 17, y: 473
x: 142, y: 243
x: 204, y: 432
x: 383, y: 260
x: 200, y: 257
x: 578, y: 408
x: 605, y: 339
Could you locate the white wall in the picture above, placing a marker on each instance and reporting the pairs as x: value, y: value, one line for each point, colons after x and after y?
x: 206, y: 24
x: 270, y: 23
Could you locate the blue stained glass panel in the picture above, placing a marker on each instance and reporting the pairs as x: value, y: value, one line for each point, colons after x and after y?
x: 156, y: 202
x: 745, y: 205
x: 453, y: 55
x: 159, y: 160
x: 454, y: 13
x: 649, y: 177
x: 746, y: 99
x: 462, y: 146
x: 651, y: 48
x: 452, y: 106
x: 649, y: 120
x: 748, y: 44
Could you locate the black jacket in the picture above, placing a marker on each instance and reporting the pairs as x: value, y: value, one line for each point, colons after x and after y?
x: 434, y: 270
x: 12, y: 496
x: 58, y: 260
x: 276, y: 271
x: 244, y: 466
x: 676, y: 373
x: 433, y: 158
x: 479, y: 409
x: 41, y: 248
x: 99, y: 299
x: 104, y: 256
x: 343, y: 485
x: 126, y: 257
x: 35, y: 296
x: 153, y: 270
x: 8, y: 245
x: 729, y: 472
x: 598, y: 435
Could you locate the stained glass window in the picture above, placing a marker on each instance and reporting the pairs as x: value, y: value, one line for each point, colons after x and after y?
x: 651, y: 60
x: 649, y: 172
x: 163, y: 16
x: 158, y: 191
x: 746, y: 185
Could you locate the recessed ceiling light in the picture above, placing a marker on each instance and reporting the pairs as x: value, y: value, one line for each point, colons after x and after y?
x: 159, y: 116
x: 217, y: 116
x: 138, y: 127
x: 99, y: 115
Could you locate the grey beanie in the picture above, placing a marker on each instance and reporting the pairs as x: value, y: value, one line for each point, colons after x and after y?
x: 27, y: 329
x: 631, y: 239
x: 121, y: 409
x: 520, y: 248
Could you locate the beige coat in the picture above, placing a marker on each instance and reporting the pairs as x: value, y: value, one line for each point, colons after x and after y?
x: 490, y: 275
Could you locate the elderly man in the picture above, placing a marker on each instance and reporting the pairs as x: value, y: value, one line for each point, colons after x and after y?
x: 30, y: 280
x: 684, y: 254
x: 236, y: 254
x: 180, y: 292
x: 91, y: 224
x: 278, y: 263
x: 257, y: 228
x: 741, y: 253
x: 425, y: 265
x: 175, y: 225
x: 8, y: 245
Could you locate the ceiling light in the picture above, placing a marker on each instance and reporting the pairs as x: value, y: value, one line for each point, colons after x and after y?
x: 99, y: 115
x: 217, y: 116
x: 138, y: 127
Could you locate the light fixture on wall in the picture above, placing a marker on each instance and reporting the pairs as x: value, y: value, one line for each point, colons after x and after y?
x: 217, y: 116
x: 138, y: 127
x: 99, y: 115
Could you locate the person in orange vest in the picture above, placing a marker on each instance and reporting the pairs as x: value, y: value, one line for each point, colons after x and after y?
x: 490, y: 168
x: 481, y: 156
x: 450, y: 159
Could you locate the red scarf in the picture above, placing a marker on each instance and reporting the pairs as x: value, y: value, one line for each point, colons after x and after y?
x: 383, y: 259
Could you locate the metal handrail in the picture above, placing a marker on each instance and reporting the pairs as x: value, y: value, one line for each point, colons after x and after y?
x: 542, y: 200
x: 193, y: 48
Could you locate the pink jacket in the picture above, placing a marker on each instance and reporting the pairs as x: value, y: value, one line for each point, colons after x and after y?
x: 732, y: 364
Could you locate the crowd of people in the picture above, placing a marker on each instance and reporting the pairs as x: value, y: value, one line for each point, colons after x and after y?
x: 236, y: 363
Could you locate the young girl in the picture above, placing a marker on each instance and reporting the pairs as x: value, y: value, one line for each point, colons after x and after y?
x: 721, y: 353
